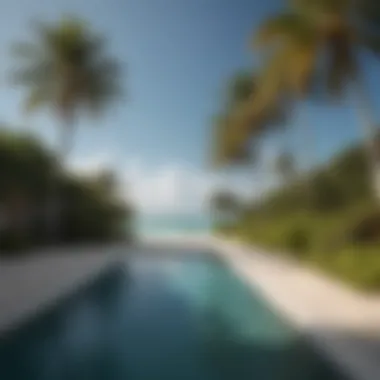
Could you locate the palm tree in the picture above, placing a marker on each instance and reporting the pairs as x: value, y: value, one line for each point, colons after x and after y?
x: 225, y: 205
x: 67, y: 70
x: 240, y: 87
x: 240, y: 126
x: 231, y: 144
x: 320, y: 40
x: 285, y: 167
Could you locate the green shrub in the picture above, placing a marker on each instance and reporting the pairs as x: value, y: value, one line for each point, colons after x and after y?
x: 298, y: 241
x: 91, y: 209
x: 329, y: 220
x: 359, y: 267
x: 365, y: 230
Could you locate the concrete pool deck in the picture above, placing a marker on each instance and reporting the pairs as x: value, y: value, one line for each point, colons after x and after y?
x: 31, y: 283
x: 344, y: 324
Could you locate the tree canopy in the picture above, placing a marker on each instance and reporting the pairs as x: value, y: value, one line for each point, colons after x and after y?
x: 92, y: 212
x: 67, y: 68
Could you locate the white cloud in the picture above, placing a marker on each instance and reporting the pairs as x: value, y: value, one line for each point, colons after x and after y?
x: 170, y: 188
x: 167, y: 188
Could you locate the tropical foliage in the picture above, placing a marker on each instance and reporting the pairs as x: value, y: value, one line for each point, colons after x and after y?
x: 319, y: 43
x: 237, y: 129
x: 334, y: 223
x: 311, y: 49
x: 92, y: 211
x: 67, y: 70
x: 226, y: 207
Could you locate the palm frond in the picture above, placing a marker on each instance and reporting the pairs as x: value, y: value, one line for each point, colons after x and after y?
x: 282, y: 28
x: 310, y: 7
x: 301, y: 64
x: 240, y: 88
x: 26, y: 51
x: 102, y: 86
x: 36, y: 98
x: 340, y: 70
x: 36, y: 73
x: 270, y: 83
x: 231, y: 145
x: 71, y: 65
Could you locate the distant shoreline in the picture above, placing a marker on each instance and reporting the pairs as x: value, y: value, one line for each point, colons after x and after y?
x: 173, y: 225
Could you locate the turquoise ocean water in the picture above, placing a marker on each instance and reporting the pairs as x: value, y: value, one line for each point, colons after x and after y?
x: 173, y: 224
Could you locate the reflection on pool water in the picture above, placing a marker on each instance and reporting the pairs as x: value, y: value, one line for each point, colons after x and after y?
x: 160, y: 318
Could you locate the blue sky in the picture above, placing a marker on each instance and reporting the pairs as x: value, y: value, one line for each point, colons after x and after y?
x: 177, y: 55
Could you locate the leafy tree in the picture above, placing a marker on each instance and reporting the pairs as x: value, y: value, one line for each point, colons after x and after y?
x: 92, y: 212
x: 325, y: 193
x: 25, y: 166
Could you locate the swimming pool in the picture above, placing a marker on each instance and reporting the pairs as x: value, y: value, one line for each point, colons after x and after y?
x: 161, y: 317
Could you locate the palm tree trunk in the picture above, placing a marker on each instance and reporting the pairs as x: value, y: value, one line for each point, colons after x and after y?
x: 310, y: 157
x: 56, y: 201
x: 303, y: 165
x: 371, y: 133
x: 285, y: 151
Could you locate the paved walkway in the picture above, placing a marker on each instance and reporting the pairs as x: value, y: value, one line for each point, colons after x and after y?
x: 340, y: 321
x: 30, y: 283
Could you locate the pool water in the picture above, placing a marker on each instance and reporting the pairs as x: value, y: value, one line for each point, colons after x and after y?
x: 161, y: 318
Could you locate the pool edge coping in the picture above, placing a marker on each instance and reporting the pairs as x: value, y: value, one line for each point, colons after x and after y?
x: 351, y: 361
x: 19, y: 316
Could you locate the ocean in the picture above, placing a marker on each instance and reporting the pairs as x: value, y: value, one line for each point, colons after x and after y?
x: 149, y: 225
